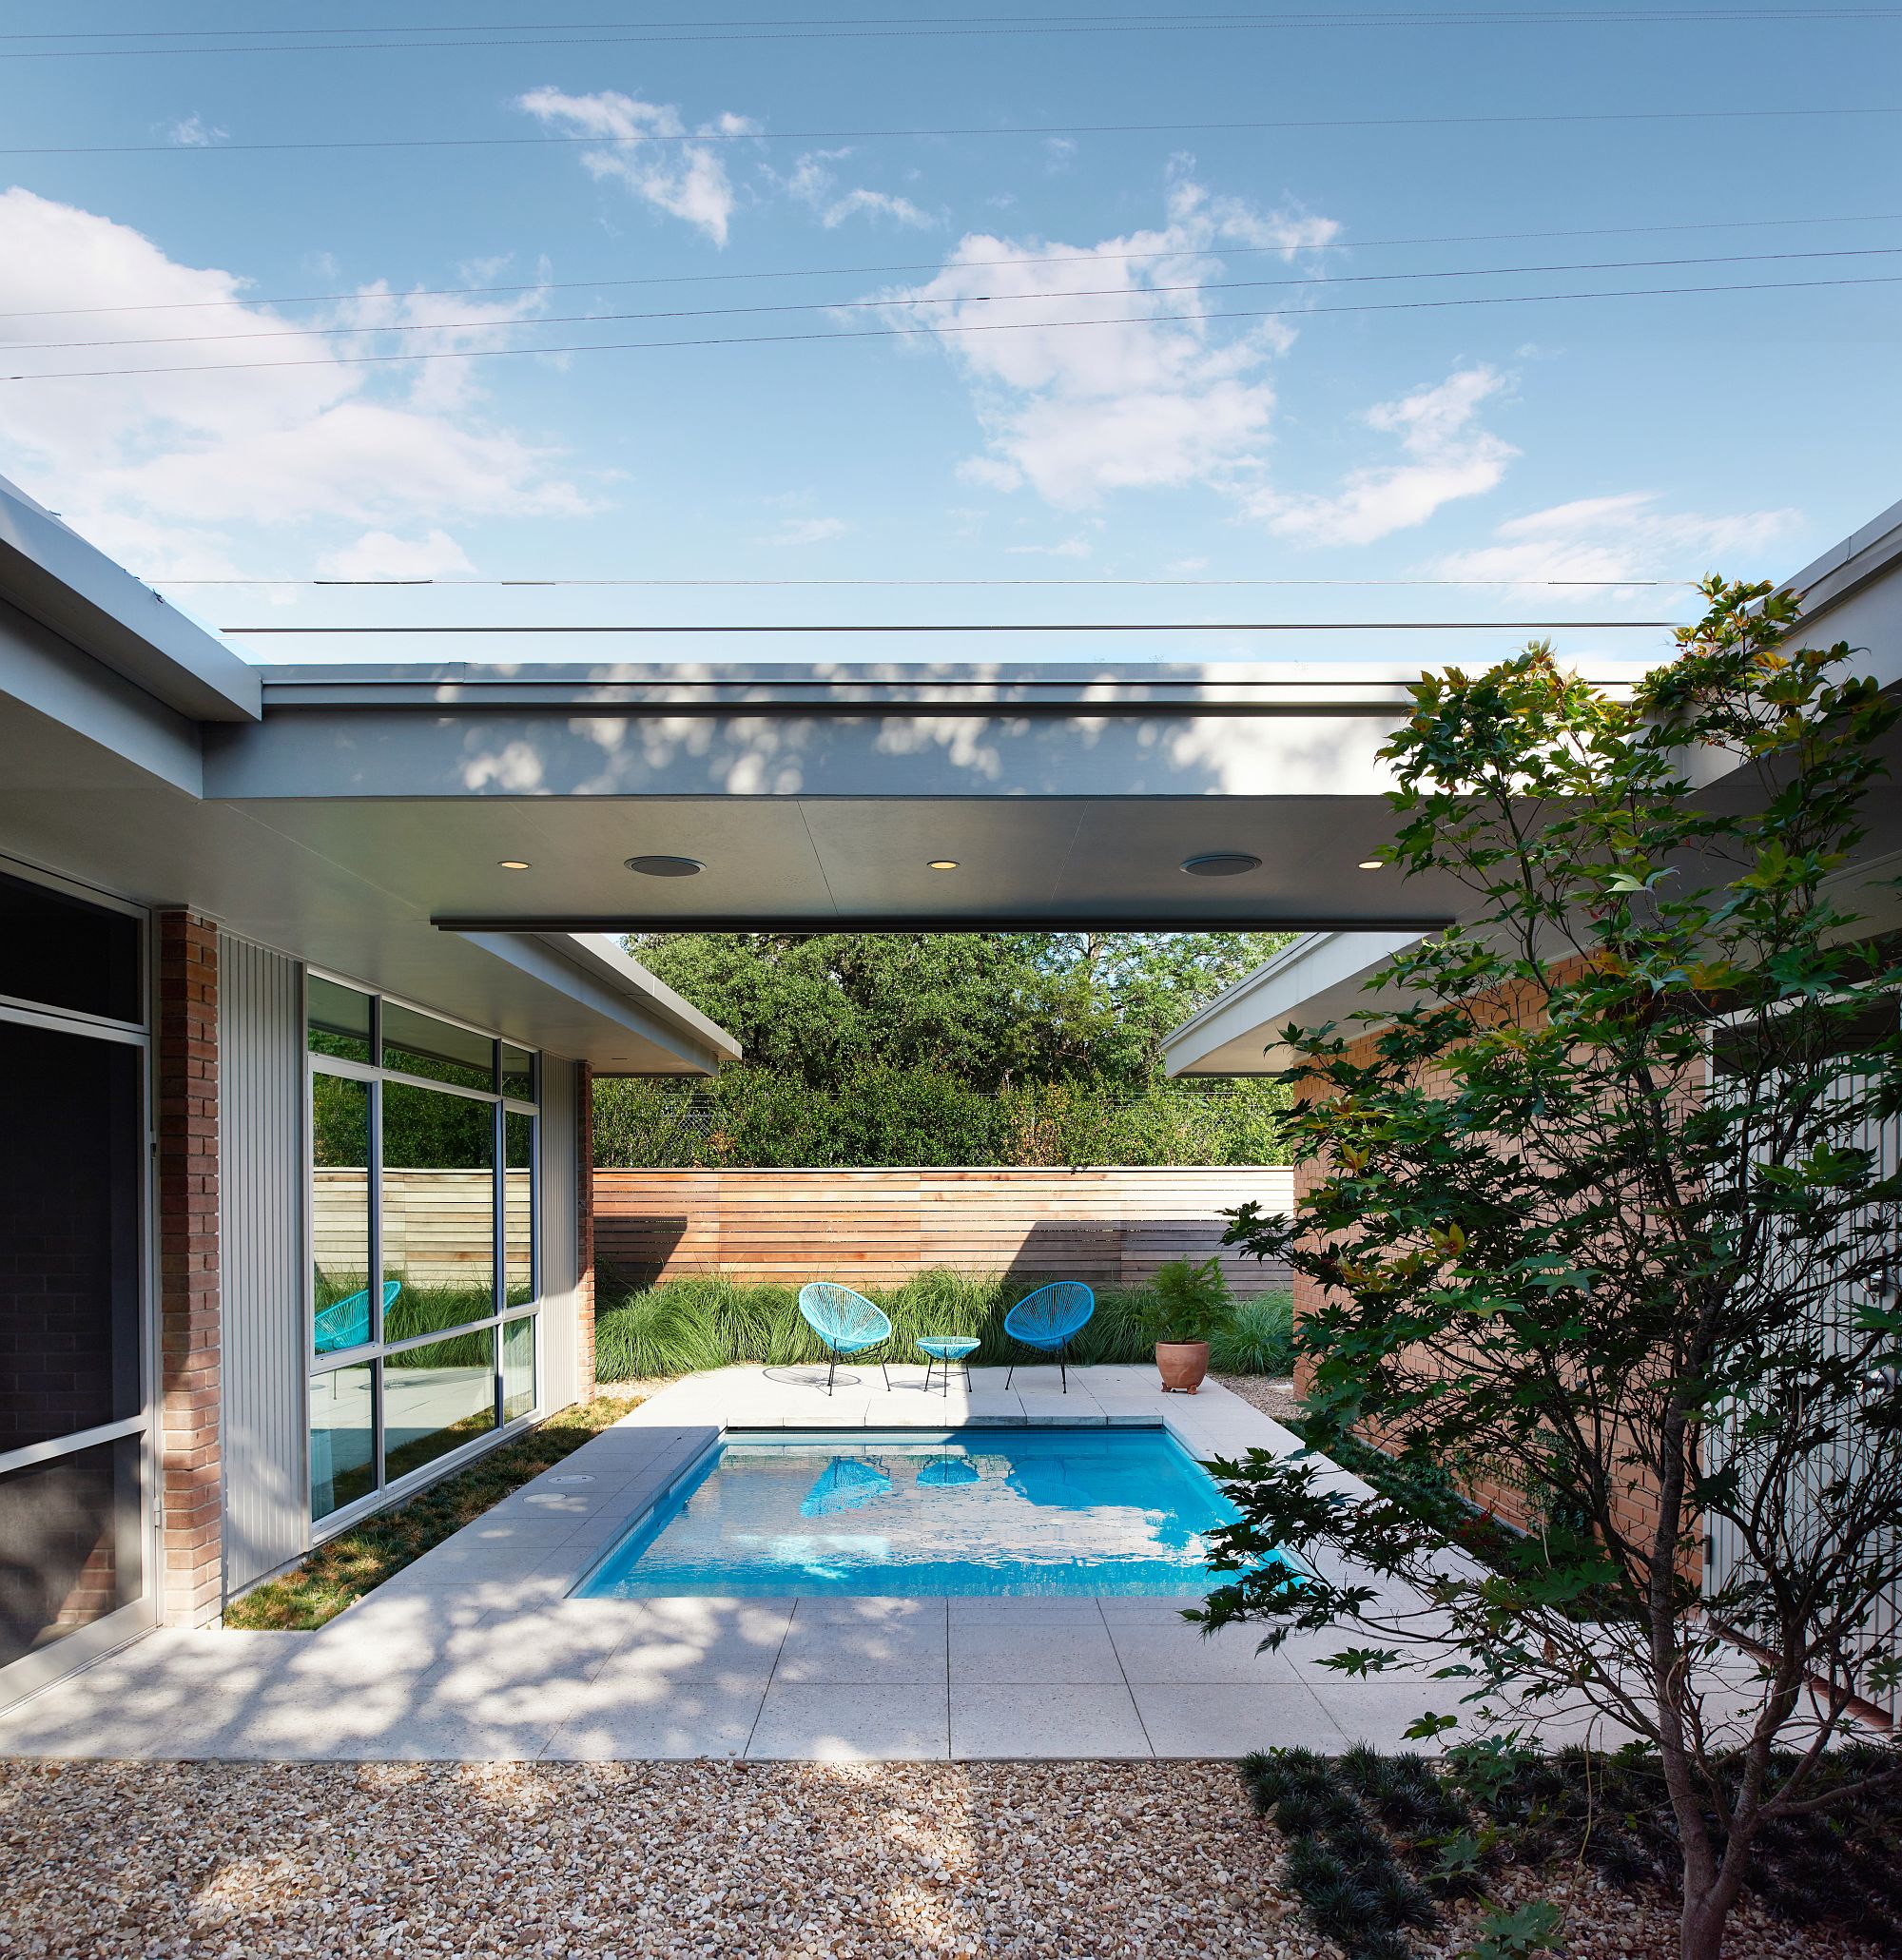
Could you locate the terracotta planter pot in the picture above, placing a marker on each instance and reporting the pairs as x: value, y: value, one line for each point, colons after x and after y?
x: 1183, y: 1365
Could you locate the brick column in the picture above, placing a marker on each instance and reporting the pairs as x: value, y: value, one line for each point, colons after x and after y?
x: 584, y: 1231
x: 191, y: 1493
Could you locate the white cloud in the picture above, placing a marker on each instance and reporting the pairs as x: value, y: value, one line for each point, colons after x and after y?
x: 1624, y: 536
x: 1449, y: 456
x: 648, y: 148
x: 194, y: 132
x: 383, y: 555
x: 1150, y: 401
x: 807, y: 531
x: 181, y: 473
x: 813, y: 182
x: 1064, y: 548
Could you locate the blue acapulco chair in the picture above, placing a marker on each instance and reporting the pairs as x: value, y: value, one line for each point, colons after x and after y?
x: 844, y: 1483
x: 345, y: 1323
x: 846, y: 1321
x: 1048, y: 1320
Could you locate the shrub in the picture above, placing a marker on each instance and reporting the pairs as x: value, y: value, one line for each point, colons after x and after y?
x: 1189, y: 1302
x: 682, y: 1326
x: 883, y: 1113
x: 1259, y: 1340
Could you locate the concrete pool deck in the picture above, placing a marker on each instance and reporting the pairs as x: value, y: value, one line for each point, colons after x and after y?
x: 476, y: 1653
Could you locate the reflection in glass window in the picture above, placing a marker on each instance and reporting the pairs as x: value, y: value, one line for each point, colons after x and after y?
x: 418, y: 1045
x: 437, y: 1398
x: 518, y: 1362
x: 343, y: 1437
x: 70, y: 1174
x: 72, y: 1531
x: 340, y: 1236
x: 422, y: 1228
x: 339, y: 1020
x: 438, y: 1209
x: 518, y: 1208
x: 61, y: 952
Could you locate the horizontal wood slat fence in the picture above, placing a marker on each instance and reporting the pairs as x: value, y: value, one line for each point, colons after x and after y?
x: 438, y: 1226
x: 878, y: 1227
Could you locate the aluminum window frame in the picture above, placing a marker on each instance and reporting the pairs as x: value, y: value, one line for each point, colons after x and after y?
x: 35, y: 1668
x: 377, y: 1349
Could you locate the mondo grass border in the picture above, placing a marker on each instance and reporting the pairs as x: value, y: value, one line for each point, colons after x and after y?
x: 358, y: 1561
x: 1381, y: 1847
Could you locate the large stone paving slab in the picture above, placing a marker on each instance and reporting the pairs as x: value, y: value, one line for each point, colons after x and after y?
x: 478, y: 1651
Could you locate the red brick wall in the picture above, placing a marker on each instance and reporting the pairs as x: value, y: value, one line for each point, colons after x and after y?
x: 584, y: 1231
x: 1636, y: 1509
x: 192, y: 1578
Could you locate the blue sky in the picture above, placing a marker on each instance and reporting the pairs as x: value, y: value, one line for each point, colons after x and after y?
x: 1623, y: 439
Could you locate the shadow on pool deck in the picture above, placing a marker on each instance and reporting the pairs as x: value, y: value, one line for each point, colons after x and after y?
x: 476, y: 1652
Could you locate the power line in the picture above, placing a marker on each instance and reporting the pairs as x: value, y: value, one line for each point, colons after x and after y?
x: 432, y: 326
x: 1249, y: 17
x: 993, y: 28
x: 889, y: 332
x: 609, y: 142
x: 1118, y: 626
x: 1222, y: 251
x: 1088, y: 584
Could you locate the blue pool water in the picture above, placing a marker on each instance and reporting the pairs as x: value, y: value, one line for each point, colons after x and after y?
x: 999, y: 1511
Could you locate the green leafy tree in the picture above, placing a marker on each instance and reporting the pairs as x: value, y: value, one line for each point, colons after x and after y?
x: 948, y: 1048
x: 1604, y: 1212
x: 986, y: 1009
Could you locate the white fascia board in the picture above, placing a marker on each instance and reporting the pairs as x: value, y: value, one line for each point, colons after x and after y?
x: 46, y: 675
x: 1324, y: 977
x: 51, y: 574
x: 590, y: 969
x: 1321, y: 976
x: 1290, y: 686
x: 601, y: 953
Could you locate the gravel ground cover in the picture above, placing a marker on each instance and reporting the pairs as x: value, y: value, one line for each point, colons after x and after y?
x: 203, y: 1861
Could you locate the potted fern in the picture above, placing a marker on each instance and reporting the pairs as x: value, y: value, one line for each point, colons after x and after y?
x: 1188, y: 1306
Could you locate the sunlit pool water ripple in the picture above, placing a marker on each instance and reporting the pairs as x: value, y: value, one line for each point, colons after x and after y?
x: 1010, y: 1511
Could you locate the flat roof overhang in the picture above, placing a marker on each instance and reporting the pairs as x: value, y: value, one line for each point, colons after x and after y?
x: 102, y: 784
x: 358, y: 816
x: 815, y: 797
x: 1853, y: 594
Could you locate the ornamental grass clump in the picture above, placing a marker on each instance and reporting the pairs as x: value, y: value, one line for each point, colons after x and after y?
x: 684, y: 1326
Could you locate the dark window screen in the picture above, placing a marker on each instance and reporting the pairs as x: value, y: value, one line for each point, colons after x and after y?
x: 65, y: 953
x: 71, y: 1532
x: 69, y: 1153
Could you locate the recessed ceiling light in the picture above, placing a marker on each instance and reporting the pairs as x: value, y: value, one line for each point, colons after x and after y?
x: 667, y: 867
x: 942, y: 865
x: 1222, y: 864
x: 1370, y: 865
x: 512, y: 864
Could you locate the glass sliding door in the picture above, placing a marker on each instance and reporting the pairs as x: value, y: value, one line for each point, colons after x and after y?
x: 75, y: 1410
x: 423, y: 1235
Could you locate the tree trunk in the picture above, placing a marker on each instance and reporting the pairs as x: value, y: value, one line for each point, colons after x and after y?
x: 1708, y: 1904
x: 1702, y: 1923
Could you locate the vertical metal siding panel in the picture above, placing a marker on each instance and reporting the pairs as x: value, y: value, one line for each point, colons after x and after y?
x: 262, y: 1204
x: 559, y: 1196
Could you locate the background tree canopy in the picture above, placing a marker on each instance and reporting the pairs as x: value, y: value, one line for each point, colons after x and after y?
x: 945, y: 1048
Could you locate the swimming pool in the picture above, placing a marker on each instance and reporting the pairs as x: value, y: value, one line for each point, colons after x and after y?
x: 1017, y: 1512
